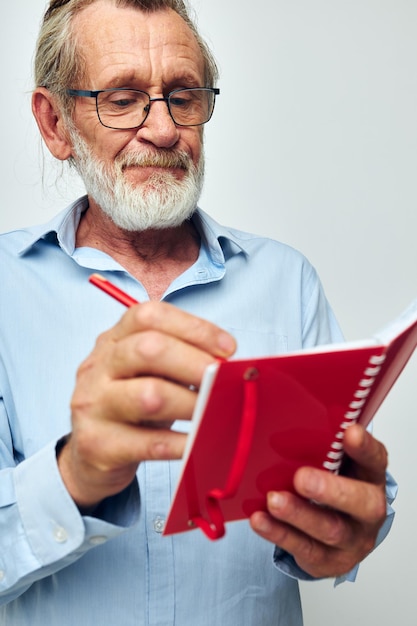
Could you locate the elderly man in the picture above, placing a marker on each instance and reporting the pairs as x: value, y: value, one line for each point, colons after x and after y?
x: 123, y: 89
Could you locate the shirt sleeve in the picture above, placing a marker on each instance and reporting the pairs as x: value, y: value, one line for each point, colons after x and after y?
x: 319, y: 324
x: 45, y: 530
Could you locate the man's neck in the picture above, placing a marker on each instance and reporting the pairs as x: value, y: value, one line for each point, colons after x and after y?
x: 154, y: 257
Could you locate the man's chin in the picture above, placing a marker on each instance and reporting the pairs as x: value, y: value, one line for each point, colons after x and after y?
x: 148, y: 211
x: 138, y: 226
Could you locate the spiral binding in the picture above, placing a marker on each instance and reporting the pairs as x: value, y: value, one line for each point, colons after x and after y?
x: 335, y: 454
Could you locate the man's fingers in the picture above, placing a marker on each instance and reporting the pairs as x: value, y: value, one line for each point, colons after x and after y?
x: 324, y: 540
x: 360, y: 500
x: 324, y: 525
x: 121, y: 445
x: 140, y: 400
x: 154, y: 353
x: 319, y: 559
x: 170, y: 320
x: 367, y: 458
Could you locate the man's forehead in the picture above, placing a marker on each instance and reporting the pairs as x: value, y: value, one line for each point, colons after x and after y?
x: 110, y: 36
x: 102, y: 21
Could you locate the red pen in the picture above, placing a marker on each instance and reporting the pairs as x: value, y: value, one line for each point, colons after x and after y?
x: 113, y: 291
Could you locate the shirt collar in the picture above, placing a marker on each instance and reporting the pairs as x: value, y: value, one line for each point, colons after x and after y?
x: 63, y: 225
x: 221, y: 242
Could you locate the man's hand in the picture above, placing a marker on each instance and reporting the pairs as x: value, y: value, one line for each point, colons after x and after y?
x: 141, y: 376
x: 334, y: 521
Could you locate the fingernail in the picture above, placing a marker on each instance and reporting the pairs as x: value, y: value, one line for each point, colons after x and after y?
x: 262, y: 523
x: 276, y: 500
x: 226, y: 344
x: 312, y: 483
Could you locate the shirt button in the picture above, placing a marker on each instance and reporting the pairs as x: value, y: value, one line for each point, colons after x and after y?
x: 97, y: 540
x: 159, y: 524
x: 60, y: 534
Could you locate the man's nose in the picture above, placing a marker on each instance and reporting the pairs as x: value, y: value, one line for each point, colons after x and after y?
x: 159, y: 128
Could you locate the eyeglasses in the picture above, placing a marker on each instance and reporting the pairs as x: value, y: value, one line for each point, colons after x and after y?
x: 127, y: 109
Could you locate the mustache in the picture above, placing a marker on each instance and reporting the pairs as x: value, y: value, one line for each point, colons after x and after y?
x: 176, y: 159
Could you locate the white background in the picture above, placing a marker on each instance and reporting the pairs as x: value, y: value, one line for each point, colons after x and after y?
x: 314, y: 142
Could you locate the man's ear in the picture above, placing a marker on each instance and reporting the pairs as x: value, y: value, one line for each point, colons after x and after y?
x: 51, y: 124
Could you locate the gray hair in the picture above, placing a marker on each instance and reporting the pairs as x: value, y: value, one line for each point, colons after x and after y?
x: 58, y: 63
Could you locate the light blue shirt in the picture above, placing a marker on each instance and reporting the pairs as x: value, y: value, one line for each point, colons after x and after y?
x: 58, y: 568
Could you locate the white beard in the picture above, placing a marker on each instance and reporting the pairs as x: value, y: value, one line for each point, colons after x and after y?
x: 161, y: 202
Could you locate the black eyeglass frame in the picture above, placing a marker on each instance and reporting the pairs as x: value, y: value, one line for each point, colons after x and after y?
x: 85, y: 93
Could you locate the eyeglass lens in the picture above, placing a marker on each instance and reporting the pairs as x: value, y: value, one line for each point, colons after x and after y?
x: 123, y: 109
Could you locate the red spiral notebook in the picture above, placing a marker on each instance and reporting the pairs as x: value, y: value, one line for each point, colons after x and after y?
x: 257, y: 420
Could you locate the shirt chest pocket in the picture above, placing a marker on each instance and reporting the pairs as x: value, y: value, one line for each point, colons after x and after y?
x: 257, y: 343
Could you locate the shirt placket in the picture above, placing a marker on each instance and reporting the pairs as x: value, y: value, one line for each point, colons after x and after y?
x: 161, y: 587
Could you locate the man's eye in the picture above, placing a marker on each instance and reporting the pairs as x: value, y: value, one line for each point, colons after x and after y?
x: 122, y: 103
x: 179, y: 102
